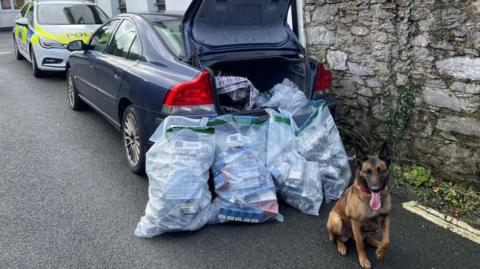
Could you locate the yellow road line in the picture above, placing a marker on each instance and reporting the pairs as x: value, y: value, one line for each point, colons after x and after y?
x: 447, y: 222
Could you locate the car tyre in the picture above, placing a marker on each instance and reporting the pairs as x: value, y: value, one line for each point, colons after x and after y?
x: 74, y: 101
x: 36, y: 72
x: 134, y: 142
x: 18, y: 55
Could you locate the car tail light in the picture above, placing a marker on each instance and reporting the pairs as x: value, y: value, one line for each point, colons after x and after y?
x: 323, y: 80
x: 195, y: 96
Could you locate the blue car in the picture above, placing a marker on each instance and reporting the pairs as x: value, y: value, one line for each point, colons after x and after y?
x: 137, y: 69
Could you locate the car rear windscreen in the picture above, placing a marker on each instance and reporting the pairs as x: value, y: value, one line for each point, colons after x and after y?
x: 171, y: 33
x: 64, y: 14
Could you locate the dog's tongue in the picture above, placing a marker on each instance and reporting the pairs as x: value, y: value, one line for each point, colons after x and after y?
x: 375, y: 201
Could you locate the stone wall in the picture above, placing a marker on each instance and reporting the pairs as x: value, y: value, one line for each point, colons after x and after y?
x: 375, y: 46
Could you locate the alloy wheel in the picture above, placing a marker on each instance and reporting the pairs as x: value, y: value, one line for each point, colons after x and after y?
x: 131, y: 139
x: 71, y: 90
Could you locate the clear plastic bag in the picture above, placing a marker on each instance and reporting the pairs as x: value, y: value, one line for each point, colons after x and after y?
x: 285, y: 96
x: 298, y: 181
x: 318, y: 140
x: 244, y: 187
x: 178, y: 166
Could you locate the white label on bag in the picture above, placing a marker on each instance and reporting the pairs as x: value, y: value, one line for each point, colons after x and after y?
x: 183, y: 189
x: 188, y: 144
x: 237, y: 139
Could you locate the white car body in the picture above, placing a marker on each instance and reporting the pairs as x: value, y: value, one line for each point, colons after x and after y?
x: 47, y: 42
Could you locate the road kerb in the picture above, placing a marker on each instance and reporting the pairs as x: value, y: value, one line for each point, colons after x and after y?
x: 447, y: 222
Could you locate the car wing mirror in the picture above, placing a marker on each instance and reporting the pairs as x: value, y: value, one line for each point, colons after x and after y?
x: 21, y: 21
x: 76, y: 45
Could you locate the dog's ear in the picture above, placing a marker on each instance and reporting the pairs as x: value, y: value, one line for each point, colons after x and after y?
x: 384, y: 154
x: 360, y: 155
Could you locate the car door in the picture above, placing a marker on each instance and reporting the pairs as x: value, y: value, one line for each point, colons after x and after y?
x: 85, y: 70
x: 111, y: 67
x: 30, y: 29
x: 21, y: 31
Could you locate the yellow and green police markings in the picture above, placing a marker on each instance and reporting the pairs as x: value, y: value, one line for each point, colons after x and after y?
x: 64, y: 38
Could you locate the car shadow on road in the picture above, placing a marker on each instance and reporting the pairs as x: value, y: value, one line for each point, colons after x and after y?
x: 57, y: 76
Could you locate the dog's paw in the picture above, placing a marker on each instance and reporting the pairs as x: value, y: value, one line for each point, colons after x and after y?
x: 365, y: 263
x: 342, y: 249
x: 380, y: 253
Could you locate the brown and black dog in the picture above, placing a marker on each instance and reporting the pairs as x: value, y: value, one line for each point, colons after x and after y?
x: 364, y: 208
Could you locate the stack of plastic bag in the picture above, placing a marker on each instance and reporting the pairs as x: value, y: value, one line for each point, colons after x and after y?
x: 286, y: 97
x: 178, y: 166
x: 298, y: 181
x: 318, y: 140
x: 317, y: 137
x: 244, y: 187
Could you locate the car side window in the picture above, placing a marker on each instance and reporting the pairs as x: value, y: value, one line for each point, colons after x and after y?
x: 23, y: 13
x: 100, y: 40
x: 135, y: 50
x: 123, y: 39
x: 171, y: 33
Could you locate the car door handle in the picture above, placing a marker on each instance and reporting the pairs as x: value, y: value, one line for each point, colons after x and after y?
x: 116, y: 76
x: 90, y: 65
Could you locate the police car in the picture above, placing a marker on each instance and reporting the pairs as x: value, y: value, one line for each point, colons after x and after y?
x: 44, y: 27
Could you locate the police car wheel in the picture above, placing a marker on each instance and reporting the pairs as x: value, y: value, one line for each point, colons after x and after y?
x: 18, y: 55
x: 36, y: 72
x: 133, y: 141
x: 74, y: 102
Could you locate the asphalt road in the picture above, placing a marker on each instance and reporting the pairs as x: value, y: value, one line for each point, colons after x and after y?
x: 68, y: 200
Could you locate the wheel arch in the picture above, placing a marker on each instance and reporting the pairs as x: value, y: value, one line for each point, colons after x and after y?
x: 122, y: 105
x: 30, y: 50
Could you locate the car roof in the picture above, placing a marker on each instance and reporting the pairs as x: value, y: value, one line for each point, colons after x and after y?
x: 163, y: 16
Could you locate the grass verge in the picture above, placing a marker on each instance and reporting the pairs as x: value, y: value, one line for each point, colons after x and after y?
x: 452, y: 199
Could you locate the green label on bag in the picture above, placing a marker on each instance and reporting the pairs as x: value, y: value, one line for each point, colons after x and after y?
x: 216, y: 122
x: 245, y: 120
x: 202, y: 130
x: 282, y: 119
